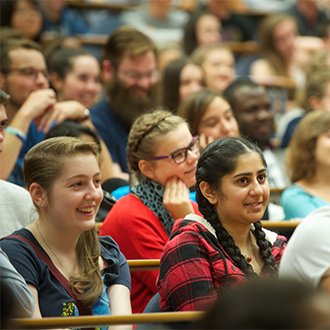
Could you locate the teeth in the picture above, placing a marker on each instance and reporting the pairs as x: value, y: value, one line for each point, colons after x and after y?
x: 86, y: 210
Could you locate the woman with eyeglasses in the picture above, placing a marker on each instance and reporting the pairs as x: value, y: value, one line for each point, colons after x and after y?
x: 227, y: 247
x: 163, y: 155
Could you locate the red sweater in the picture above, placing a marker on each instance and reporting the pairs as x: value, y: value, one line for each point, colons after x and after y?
x: 140, y: 235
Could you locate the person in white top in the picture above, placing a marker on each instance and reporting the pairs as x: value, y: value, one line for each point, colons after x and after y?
x: 15, y: 202
x: 307, y: 255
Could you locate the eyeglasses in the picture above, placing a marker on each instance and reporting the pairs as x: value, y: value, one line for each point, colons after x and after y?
x: 180, y: 155
x: 154, y: 75
x: 27, y: 72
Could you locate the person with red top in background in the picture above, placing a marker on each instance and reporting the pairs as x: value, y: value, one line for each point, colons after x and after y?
x: 163, y: 156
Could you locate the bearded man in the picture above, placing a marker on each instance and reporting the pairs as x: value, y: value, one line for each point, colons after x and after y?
x: 131, y: 78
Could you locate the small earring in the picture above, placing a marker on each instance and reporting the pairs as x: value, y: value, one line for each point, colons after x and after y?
x: 42, y: 205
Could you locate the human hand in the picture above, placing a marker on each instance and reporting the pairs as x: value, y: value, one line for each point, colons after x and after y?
x: 38, y: 103
x: 204, y: 140
x: 176, y: 198
x: 62, y: 111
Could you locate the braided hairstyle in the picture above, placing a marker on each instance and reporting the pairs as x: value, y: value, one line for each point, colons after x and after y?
x: 217, y: 160
x: 146, y: 132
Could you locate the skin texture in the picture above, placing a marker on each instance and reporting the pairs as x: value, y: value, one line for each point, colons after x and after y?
x: 253, y: 113
x: 176, y: 178
x: 27, y: 19
x: 217, y: 122
x: 31, y: 99
x: 191, y: 80
x: 208, y: 30
x: 16, y: 84
x: 146, y: 63
x: 284, y: 39
x: 241, y: 200
x: 219, y: 69
x: 82, y: 83
x: 68, y: 210
x: 322, y: 150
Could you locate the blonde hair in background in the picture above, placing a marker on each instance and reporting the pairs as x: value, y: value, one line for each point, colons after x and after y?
x: 146, y: 132
x: 300, y: 154
x: 200, y: 54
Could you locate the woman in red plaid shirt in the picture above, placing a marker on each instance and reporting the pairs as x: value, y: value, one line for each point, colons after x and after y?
x: 226, y: 248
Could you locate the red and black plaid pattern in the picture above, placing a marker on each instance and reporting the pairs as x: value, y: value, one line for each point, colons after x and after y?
x: 194, y: 268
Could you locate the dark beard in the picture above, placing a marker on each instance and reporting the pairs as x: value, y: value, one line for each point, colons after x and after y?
x: 127, y: 107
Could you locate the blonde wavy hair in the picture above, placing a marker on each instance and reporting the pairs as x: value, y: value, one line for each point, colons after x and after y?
x: 43, y: 164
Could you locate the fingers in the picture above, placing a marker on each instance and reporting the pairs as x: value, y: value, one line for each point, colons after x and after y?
x: 175, y: 190
x: 204, y: 141
x: 61, y: 111
x: 176, y: 198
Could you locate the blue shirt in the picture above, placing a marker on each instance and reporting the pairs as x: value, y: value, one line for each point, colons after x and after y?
x: 70, y: 24
x: 114, y: 135
x: 298, y: 203
x: 53, y: 298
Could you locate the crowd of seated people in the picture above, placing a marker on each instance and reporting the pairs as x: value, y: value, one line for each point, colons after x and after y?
x: 190, y: 147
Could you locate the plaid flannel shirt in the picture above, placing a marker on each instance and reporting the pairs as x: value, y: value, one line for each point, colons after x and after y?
x: 195, y: 268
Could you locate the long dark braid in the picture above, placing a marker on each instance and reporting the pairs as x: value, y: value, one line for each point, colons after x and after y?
x: 265, y: 248
x: 219, y: 159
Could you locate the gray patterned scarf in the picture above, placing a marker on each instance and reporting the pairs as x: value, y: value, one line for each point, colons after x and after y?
x: 151, y: 194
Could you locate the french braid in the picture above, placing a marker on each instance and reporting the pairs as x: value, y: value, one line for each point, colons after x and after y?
x: 145, y: 134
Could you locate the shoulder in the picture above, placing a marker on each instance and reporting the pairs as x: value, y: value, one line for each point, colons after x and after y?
x: 129, y: 204
x: 17, y: 241
x: 294, y: 191
x: 128, y: 213
x: 191, y: 233
x: 21, y: 253
x: 116, y: 269
x: 262, y: 67
x: 101, y: 110
x: 12, y: 192
x: 295, y: 195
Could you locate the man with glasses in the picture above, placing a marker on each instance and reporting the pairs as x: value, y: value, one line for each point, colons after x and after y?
x: 32, y: 107
x: 131, y: 77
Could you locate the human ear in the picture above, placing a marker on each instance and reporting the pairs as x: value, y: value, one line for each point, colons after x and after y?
x: 107, y: 70
x: 146, y: 168
x: 208, y: 192
x: 38, y: 194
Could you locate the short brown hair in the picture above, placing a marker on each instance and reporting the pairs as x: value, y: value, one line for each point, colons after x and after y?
x: 126, y: 39
x: 11, y: 44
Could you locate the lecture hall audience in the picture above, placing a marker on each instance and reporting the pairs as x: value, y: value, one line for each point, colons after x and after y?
x: 134, y: 82
x: 226, y: 247
x: 163, y: 156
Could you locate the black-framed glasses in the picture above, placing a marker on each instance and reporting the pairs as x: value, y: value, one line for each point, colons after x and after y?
x: 180, y: 155
x: 27, y: 72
